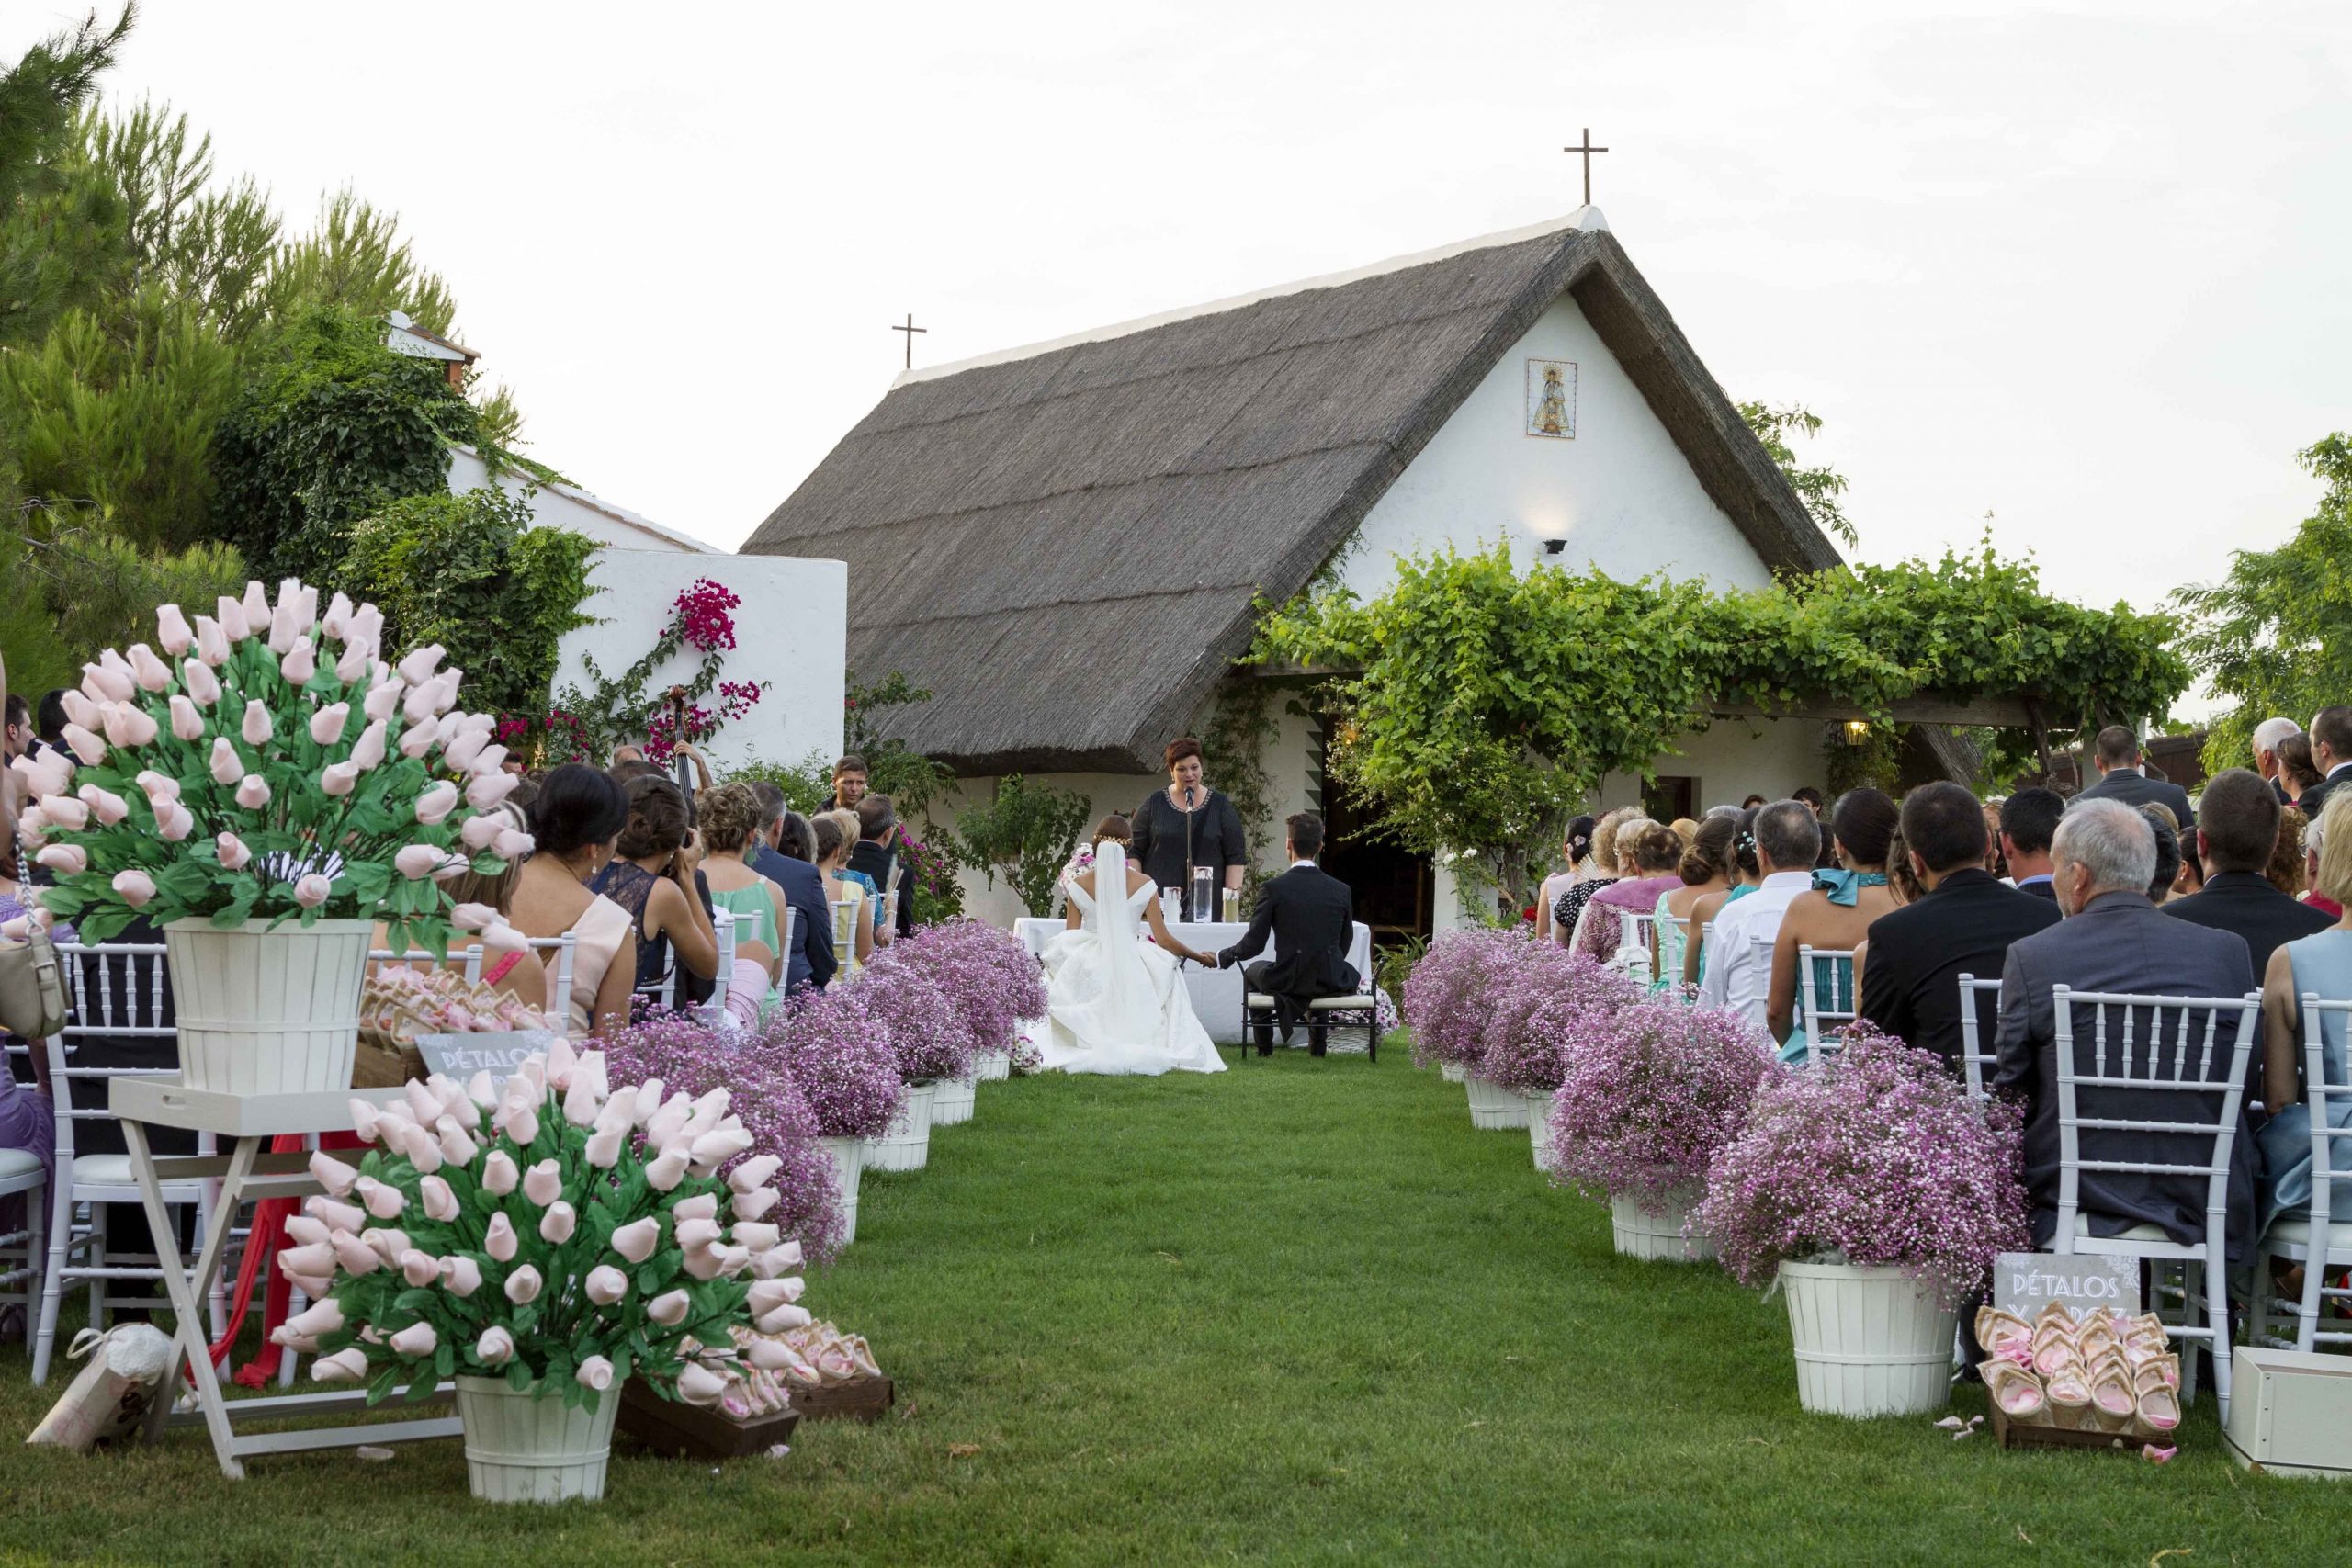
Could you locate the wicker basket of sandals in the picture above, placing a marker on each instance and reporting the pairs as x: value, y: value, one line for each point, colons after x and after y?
x: 2101, y: 1376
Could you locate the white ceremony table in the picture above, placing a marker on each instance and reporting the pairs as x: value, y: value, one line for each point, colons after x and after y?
x: 1216, y: 993
x: 243, y: 1125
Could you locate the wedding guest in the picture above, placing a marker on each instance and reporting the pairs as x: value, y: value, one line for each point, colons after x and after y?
x: 1997, y: 859
x: 2123, y: 776
x: 28, y: 1116
x: 519, y: 973
x: 2267, y: 737
x: 879, y: 856
x: 2298, y: 775
x: 51, y: 719
x: 576, y: 821
x: 626, y: 753
x: 849, y: 783
x: 2238, y: 827
x: 2115, y: 940
x: 1569, y: 907
x: 1963, y: 922
x: 2284, y: 869
x: 2318, y: 963
x: 2315, y: 846
x: 652, y: 876
x: 786, y: 858
x: 1818, y: 804
x: 1188, y: 825
x: 1833, y: 915
x: 1902, y: 878
x: 1753, y: 803
x: 1648, y: 860
x: 19, y: 739
x: 1575, y: 865
x: 2331, y: 739
x: 1706, y: 867
x: 2028, y: 822
x: 2161, y: 824
x: 1739, y: 941
x: 730, y: 821
x: 1745, y: 873
x: 836, y: 836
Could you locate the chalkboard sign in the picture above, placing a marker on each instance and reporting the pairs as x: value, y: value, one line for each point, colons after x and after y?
x: 499, y: 1054
x: 2025, y: 1282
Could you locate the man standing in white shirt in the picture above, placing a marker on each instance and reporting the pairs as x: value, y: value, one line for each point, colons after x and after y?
x: 1739, y: 941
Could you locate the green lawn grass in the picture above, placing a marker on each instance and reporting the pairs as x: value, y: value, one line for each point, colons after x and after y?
x: 1298, y: 1312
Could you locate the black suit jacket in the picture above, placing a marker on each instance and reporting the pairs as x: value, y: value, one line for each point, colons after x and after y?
x: 875, y: 861
x: 2136, y: 790
x: 2122, y: 942
x: 1917, y: 954
x: 1310, y: 916
x: 2245, y: 902
x: 811, y: 960
x: 2316, y: 797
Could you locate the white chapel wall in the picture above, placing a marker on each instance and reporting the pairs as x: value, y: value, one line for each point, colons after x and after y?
x: 1619, y: 494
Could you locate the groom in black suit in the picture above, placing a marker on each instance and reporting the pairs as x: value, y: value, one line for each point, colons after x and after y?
x: 1311, y: 919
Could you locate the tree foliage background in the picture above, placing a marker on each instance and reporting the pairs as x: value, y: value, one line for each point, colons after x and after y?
x: 192, y: 389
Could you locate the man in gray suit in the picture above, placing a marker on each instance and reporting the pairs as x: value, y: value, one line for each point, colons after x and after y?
x: 2123, y: 775
x: 2114, y: 938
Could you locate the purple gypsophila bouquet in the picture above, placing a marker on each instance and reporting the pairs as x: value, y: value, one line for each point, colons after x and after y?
x: 1545, y: 1005
x: 1875, y: 1156
x: 843, y: 1066
x: 1652, y: 1095
x: 992, y: 980
x: 1450, y: 996
x: 927, y: 1032
x: 688, y: 1055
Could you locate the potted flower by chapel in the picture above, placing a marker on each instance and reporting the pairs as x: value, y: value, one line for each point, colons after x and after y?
x: 264, y: 789
x: 542, y: 1245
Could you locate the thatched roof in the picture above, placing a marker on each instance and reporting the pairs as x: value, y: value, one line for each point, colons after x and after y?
x: 1063, y: 544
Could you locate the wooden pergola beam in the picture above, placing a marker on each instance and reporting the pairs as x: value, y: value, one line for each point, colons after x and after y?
x: 1998, y: 712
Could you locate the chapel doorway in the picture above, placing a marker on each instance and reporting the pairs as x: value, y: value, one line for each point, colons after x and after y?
x: 1395, y: 890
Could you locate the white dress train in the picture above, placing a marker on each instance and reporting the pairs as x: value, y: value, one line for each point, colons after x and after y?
x: 1115, y: 1004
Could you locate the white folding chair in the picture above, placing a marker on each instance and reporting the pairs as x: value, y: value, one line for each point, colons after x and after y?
x: 79, y: 1094
x: 2141, y: 1047
x: 1822, y: 1011
x: 1636, y: 933
x: 21, y: 1248
x: 559, y: 972
x: 1976, y: 1062
x: 1670, y: 940
x: 2315, y: 1238
x: 722, y: 925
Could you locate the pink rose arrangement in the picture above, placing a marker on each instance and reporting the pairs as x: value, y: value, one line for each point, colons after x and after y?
x: 558, y: 1233
x: 267, y: 762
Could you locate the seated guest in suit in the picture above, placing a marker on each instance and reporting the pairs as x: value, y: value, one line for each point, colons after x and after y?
x: 2123, y: 776
x: 2238, y: 829
x: 2113, y: 939
x: 2028, y: 819
x: 1962, y: 924
x: 788, y: 857
x: 2321, y: 963
x: 2268, y: 736
x: 2331, y: 739
x: 1311, y: 919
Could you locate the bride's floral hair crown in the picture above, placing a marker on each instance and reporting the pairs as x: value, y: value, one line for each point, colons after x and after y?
x: 1113, y: 829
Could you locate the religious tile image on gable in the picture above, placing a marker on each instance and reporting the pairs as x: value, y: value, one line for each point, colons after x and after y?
x: 1551, y: 398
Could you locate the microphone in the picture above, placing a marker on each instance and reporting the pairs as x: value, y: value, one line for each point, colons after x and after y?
x: 1192, y: 795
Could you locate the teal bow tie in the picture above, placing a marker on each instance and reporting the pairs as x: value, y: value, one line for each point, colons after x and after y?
x: 1845, y: 887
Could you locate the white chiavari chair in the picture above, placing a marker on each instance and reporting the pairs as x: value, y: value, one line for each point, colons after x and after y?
x: 1977, y: 1056
x: 2313, y: 1237
x: 555, y: 952
x: 1825, y: 999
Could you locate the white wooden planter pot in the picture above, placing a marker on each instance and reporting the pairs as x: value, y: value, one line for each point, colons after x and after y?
x: 905, y: 1145
x: 523, y: 1449
x: 1452, y: 1072
x: 1539, y: 1126
x: 991, y: 1066
x: 1494, y: 1109
x: 1869, y: 1341
x: 952, y: 1105
x: 263, y: 1011
x: 1658, y: 1237
x: 849, y: 1163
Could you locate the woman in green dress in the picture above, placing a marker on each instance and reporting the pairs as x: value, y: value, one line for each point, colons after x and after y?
x: 729, y: 817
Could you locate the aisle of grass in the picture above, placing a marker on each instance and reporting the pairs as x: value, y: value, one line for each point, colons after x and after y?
x: 1298, y: 1312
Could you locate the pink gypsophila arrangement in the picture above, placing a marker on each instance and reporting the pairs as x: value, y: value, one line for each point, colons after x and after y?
x: 927, y: 1032
x: 992, y: 980
x: 684, y: 1055
x: 1544, y: 1005
x: 1875, y: 1156
x: 1450, y: 995
x: 1651, y: 1095
x: 844, y: 1064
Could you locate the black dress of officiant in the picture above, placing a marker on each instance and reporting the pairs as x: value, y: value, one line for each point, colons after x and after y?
x: 1170, y: 839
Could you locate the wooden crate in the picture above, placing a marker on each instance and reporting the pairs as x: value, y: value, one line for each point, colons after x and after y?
x: 694, y: 1431
x: 2025, y: 1435
x: 865, y: 1399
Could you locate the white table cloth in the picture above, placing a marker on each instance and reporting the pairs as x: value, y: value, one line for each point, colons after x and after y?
x: 1216, y: 993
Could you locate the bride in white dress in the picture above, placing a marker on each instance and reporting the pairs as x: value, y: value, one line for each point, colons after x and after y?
x: 1115, y: 1003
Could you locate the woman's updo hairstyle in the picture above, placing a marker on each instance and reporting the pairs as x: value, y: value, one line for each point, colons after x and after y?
x: 827, y: 827
x: 1658, y: 848
x: 1864, y: 821
x: 657, y: 818
x: 1115, y: 829
x: 1709, y: 856
x: 577, y: 806
x: 731, y: 814
x: 1742, y: 843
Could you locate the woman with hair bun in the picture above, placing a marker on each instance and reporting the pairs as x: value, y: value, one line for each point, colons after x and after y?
x: 1706, y: 867
x: 1746, y: 872
x: 1835, y: 915
x: 576, y: 821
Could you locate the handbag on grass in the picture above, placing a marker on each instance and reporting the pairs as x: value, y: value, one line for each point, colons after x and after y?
x: 33, y: 988
x: 110, y: 1398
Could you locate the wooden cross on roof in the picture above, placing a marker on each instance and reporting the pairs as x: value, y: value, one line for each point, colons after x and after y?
x: 1585, y: 148
x: 911, y: 329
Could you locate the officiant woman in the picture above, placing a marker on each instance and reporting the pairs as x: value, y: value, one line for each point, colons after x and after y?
x: 1187, y: 825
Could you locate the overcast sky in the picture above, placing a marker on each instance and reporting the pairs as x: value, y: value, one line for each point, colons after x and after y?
x: 2082, y: 266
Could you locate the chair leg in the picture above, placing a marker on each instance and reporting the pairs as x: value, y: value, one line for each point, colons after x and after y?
x: 2217, y: 1310
x: 53, y: 1277
x: 98, y: 1260
x: 2315, y: 1261
x: 36, y: 1251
